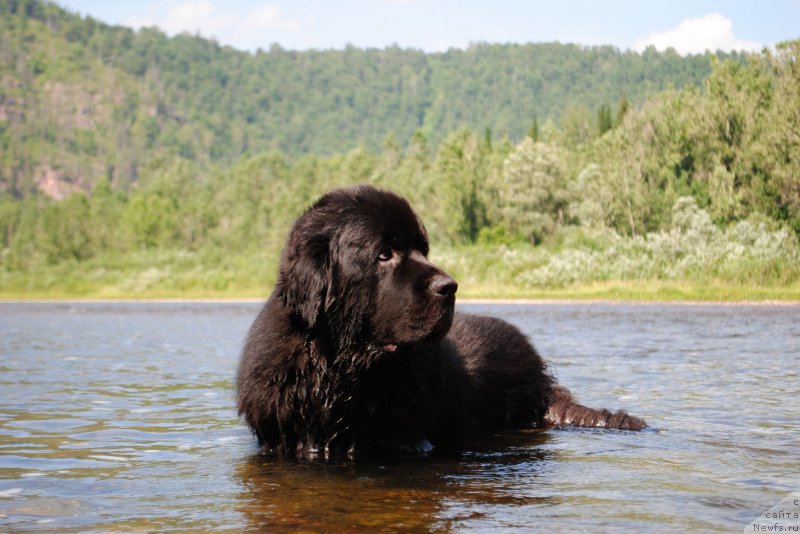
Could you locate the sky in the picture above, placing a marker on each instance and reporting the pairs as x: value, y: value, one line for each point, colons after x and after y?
x: 689, y: 26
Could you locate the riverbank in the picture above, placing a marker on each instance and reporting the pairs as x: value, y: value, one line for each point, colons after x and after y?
x: 485, y: 273
x: 614, y: 291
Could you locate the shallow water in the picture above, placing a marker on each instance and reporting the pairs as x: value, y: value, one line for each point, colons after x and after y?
x: 119, y: 417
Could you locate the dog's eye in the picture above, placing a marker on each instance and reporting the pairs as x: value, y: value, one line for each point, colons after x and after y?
x: 385, y: 254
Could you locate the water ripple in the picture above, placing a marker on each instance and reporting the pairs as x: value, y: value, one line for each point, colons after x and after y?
x: 121, y: 417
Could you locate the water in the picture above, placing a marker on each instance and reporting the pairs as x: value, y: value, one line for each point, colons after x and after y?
x: 119, y: 417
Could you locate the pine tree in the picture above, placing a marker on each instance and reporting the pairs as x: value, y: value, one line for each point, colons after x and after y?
x: 622, y: 109
x: 533, y: 133
x: 604, y: 122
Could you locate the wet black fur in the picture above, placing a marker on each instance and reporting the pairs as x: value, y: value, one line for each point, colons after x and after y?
x: 358, y: 348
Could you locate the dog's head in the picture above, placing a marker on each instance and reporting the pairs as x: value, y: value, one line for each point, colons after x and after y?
x: 356, y: 265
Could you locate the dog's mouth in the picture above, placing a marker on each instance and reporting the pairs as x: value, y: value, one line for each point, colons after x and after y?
x: 442, y: 326
x: 426, y: 334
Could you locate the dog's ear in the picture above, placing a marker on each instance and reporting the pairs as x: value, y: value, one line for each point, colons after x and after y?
x: 305, y: 271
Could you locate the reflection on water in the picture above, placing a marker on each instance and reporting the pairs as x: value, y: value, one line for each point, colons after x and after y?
x: 121, y: 417
x: 419, y: 493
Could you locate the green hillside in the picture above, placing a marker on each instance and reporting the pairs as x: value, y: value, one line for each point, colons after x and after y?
x: 137, y: 165
x: 81, y: 100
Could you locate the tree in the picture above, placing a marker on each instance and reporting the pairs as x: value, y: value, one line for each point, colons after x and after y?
x: 10, y: 210
x: 533, y: 132
x: 65, y: 229
x: 460, y: 171
x: 725, y: 203
x: 106, y: 231
x: 151, y: 220
x: 780, y: 142
x: 604, y: 120
x: 576, y: 125
x: 612, y: 188
x: 736, y: 104
x: 622, y: 109
x: 534, y: 196
x: 593, y: 198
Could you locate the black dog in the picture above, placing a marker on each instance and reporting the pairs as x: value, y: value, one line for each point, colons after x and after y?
x: 358, y: 348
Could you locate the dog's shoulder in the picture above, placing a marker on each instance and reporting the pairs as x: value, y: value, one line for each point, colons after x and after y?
x: 272, y: 357
x: 509, y: 382
x: 274, y: 338
x: 481, y: 335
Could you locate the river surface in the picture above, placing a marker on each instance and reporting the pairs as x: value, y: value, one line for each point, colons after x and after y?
x: 121, y: 417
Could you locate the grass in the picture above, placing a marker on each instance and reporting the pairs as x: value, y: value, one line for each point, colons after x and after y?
x: 16, y: 287
x: 482, y: 272
x: 639, y: 291
x: 171, y: 274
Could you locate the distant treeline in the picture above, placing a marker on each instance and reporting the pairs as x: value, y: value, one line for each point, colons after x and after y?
x: 81, y: 100
x: 695, y: 183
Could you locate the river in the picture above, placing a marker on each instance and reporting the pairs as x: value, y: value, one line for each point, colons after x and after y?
x: 121, y: 417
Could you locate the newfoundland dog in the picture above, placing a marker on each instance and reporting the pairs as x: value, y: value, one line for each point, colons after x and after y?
x: 358, y: 348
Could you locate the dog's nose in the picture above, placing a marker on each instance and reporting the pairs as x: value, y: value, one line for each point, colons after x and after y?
x: 443, y: 285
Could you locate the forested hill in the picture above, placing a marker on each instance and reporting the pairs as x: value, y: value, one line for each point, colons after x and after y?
x: 81, y: 100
